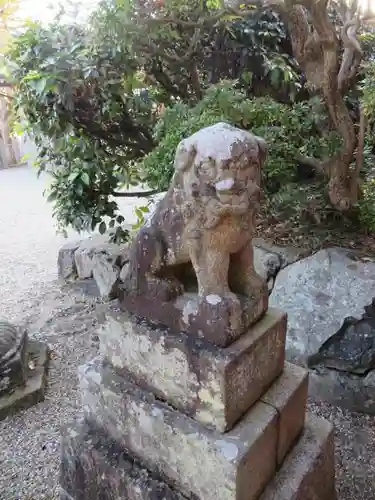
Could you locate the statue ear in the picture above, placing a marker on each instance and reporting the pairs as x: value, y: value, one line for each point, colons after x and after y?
x: 263, y: 149
x: 184, y: 156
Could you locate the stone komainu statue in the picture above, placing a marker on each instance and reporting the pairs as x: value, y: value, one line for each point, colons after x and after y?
x: 204, y: 223
x: 13, y: 357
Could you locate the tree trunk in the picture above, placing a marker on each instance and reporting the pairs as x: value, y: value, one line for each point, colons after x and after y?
x: 318, y: 53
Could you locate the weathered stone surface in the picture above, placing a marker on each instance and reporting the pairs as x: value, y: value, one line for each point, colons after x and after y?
x: 214, y: 385
x: 32, y: 392
x: 204, y: 223
x: 318, y: 293
x: 106, y: 273
x: 94, y: 468
x: 267, y: 264
x: 13, y: 357
x: 66, y: 265
x: 237, y: 465
x: 352, y: 348
x: 63, y: 495
x: 124, y: 272
x: 308, y: 472
x: 94, y: 246
x: 288, y: 395
x: 215, y: 319
x: 85, y: 252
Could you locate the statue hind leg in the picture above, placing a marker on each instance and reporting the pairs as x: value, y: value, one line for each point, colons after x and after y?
x: 146, y: 265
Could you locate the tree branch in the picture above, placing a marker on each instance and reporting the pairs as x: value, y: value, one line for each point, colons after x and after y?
x: 352, y: 56
x: 142, y: 194
x: 210, y: 20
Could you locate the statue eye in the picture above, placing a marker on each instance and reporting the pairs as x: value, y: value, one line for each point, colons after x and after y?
x: 207, y: 169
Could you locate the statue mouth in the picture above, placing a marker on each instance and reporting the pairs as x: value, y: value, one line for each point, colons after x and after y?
x: 225, y: 186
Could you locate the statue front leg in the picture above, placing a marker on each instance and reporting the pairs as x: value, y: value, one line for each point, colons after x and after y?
x: 217, y: 300
x: 211, y: 269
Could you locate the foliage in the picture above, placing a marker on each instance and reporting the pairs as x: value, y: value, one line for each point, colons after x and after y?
x: 8, y: 10
x: 257, y: 51
x: 368, y: 91
x: 85, y: 115
x: 367, y: 205
x: 189, y: 45
x: 89, y: 95
x: 291, y: 131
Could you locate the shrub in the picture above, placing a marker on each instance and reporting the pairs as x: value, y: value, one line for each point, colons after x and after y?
x: 291, y: 131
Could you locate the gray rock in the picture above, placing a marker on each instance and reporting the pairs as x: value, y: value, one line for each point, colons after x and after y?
x: 124, y: 272
x: 98, y: 259
x: 106, y: 273
x: 318, y: 293
x: 287, y: 255
x: 66, y: 264
x: 85, y: 252
x: 267, y: 264
x: 86, y: 287
x: 352, y: 348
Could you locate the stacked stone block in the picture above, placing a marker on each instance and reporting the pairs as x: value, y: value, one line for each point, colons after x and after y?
x: 171, y: 416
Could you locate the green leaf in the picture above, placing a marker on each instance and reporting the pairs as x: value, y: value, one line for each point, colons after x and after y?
x: 138, y: 213
x: 73, y: 176
x: 52, y: 196
x: 85, y: 178
x: 247, y: 77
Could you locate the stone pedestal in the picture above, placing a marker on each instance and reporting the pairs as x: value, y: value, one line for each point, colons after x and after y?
x: 203, y: 407
x: 169, y: 416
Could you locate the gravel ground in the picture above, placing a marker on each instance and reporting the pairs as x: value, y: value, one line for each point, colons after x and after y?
x: 29, y: 294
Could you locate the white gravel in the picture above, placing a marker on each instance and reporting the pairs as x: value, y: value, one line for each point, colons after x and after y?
x: 29, y: 294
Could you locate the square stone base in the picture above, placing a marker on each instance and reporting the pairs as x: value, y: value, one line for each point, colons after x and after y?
x: 238, y: 464
x: 213, y: 385
x: 33, y: 391
x: 308, y: 472
x: 207, y: 318
x: 94, y: 468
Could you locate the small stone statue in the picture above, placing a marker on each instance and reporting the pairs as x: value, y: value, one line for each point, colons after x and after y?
x: 191, y: 265
x: 13, y: 357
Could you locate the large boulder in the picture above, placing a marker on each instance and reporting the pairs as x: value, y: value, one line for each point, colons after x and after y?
x: 319, y: 293
x: 329, y: 298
